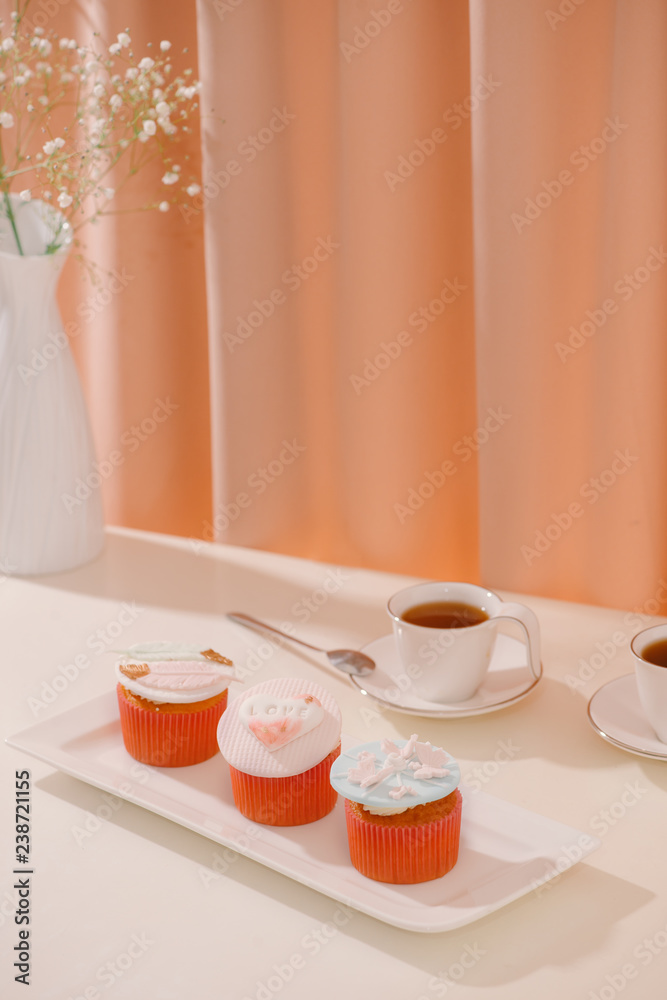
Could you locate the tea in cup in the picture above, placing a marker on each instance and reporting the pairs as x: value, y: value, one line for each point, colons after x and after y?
x: 446, y: 633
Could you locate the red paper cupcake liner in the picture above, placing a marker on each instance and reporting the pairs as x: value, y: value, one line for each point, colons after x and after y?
x: 404, y: 854
x: 301, y: 798
x: 170, y: 739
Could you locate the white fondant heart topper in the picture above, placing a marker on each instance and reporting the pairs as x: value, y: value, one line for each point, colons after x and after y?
x: 275, y: 722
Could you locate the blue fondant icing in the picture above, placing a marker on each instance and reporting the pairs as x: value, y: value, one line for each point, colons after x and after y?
x: 377, y: 795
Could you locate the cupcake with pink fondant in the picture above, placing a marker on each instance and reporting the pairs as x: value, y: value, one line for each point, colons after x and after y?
x: 170, y: 698
x: 280, y: 739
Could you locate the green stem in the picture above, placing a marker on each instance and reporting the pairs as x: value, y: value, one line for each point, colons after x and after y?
x: 12, y: 221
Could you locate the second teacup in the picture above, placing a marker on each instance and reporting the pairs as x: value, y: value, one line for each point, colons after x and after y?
x: 446, y: 632
x: 649, y: 649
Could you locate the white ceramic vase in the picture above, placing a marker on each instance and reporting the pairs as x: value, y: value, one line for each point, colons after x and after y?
x: 50, y: 517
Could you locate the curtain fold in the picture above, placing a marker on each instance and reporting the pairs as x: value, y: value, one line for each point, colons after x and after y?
x: 366, y: 363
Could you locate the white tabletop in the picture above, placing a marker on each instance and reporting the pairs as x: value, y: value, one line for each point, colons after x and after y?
x: 127, y: 904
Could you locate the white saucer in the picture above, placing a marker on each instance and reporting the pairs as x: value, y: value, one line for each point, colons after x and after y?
x: 509, y: 679
x: 616, y: 715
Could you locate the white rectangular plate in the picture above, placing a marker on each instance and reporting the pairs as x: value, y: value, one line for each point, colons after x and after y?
x: 506, y: 851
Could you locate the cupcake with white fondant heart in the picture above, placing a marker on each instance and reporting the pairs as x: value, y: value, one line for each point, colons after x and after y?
x: 280, y: 739
x: 171, y: 697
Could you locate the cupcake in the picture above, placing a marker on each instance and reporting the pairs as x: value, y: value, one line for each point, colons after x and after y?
x: 171, y: 698
x: 280, y: 739
x: 402, y: 808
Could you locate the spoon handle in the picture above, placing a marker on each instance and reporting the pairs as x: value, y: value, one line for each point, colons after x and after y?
x: 255, y: 623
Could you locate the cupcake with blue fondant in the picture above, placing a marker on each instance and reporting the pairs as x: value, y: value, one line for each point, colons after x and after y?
x: 402, y: 807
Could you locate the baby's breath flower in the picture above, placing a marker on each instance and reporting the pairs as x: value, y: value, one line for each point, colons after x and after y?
x: 122, y: 103
x: 53, y: 145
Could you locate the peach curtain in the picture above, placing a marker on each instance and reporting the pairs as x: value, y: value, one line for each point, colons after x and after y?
x: 434, y: 244
x: 475, y: 371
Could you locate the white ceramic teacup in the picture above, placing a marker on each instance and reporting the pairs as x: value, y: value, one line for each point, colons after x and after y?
x: 449, y: 664
x: 651, y: 680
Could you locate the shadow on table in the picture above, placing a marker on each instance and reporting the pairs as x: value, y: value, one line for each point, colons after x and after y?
x: 558, y: 924
x: 550, y: 723
x: 208, y: 580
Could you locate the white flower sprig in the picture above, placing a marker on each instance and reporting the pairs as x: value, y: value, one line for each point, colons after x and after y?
x: 74, y: 116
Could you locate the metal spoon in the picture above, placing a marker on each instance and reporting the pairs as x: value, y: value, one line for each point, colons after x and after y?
x: 350, y: 661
